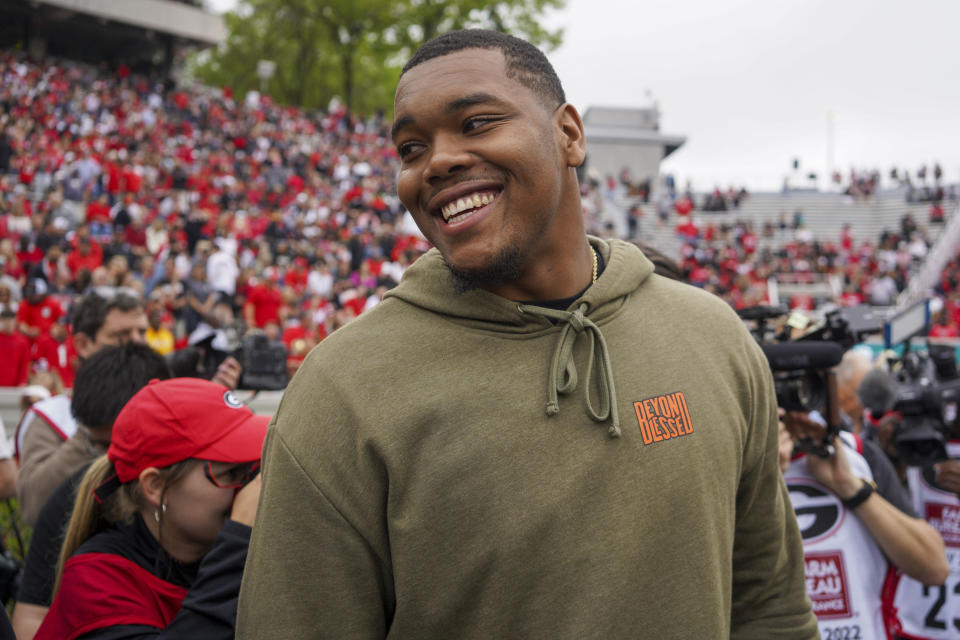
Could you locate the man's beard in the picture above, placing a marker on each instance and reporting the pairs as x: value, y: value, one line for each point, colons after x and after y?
x: 504, y: 268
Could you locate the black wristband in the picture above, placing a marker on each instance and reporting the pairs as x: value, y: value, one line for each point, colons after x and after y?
x: 860, y: 496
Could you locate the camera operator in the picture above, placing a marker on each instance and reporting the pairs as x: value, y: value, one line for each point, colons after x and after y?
x: 208, y: 354
x: 918, y: 611
x: 847, y: 557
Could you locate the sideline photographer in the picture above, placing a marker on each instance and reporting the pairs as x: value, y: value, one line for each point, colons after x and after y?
x: 911, y: 409
x: 847, y: 557
x: 222, y: 350
x: 921, y: 612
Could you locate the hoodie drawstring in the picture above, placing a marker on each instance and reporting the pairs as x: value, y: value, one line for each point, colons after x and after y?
x: 563, y: 366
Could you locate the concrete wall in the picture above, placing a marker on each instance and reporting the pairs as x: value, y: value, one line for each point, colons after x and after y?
x: 639, y: 118
x: 160, y: 15
x: 609, y: 158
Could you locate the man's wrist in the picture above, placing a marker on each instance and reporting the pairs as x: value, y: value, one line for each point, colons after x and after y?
x: 847, y: 489
x: 867, y: 489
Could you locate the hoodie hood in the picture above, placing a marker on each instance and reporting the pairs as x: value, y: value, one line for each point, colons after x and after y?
x: 428, y: 284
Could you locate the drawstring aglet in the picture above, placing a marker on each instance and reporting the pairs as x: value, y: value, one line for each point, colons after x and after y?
x: 613, y: 431
x: 553, y: 408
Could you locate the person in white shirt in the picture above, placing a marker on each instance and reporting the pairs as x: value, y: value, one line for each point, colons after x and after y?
x: 222, y: 267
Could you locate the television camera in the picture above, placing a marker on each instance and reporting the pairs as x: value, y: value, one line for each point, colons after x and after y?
x: 920, y: 388
x: 802, y: 357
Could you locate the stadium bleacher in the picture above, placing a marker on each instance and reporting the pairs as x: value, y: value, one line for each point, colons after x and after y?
x: 157, y: 173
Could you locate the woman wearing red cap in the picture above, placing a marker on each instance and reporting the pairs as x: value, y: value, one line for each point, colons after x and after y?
x: 158, y: 538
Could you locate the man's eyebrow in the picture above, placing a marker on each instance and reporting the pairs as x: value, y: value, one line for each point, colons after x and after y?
x: 469, y: 101
x: 400, y: 123
x: 452, y: 107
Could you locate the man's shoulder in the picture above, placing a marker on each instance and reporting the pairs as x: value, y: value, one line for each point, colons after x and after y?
x: 377, y: 326
x: 47, y: 421
x: 375, y: 343
x: 56, y: 408
x: 680, y: 304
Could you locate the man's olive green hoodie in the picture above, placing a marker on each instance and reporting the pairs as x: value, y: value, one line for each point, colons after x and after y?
x: 463, y: 466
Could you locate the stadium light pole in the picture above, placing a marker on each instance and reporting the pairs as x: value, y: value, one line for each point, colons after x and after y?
x: 265, y: 69
x: 830, y: 120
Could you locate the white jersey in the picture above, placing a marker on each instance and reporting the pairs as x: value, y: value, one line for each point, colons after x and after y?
x: 845, y: 568
x: 917, y: 611
x: 55, y: 412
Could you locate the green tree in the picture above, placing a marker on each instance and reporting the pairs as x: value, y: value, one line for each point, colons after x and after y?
x: 350, y: 48
x: 417, y: 21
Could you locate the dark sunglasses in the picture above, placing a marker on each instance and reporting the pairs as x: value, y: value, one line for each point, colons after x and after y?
x: 235, y: 477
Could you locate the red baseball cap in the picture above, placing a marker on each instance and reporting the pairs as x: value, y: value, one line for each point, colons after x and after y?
x: 169, y: 421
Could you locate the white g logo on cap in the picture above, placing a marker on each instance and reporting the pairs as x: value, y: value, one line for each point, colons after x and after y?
x: 232, y: 400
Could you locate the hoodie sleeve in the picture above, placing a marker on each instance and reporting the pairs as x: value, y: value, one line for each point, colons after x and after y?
x: 769, y: 595
x: 310, y: 565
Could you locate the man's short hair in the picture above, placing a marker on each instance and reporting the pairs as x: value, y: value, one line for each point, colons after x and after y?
x: 110, y: 377
x: 90, y: 313
x: 525, y: 63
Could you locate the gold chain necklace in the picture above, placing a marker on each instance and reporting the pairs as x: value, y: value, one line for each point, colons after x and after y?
x: 593, y: 252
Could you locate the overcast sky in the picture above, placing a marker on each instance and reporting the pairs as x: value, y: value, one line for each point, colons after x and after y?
x: 750, y: 83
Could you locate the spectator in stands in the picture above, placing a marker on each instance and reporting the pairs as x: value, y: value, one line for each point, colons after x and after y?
x: 158, y: 335
x: 6, y: 152
x: 8, y: 468
x: 200, y: 297
x: 97, y: 322
x: 944, y: 327
x: 122, y: 375
x: 936, y: 213
x: 37, y: 311
x: 263, y: 304
x: 7, y: 300
x: 15, y: 363
x: 41, y: 385
x: 105, y: 382
x: 163, y: 545
x: 883, y: 290
x: 222, y: 269
x: 57, y: 352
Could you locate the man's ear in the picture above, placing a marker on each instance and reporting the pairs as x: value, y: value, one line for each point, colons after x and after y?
x: 83, y: 344
x: 151, y: 485
x: 571, y: 134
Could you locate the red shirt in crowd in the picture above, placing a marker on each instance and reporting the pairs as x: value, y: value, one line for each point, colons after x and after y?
x: 266, y: 304
x: 41, y: 315
x: 944, y: 331
x: 60, y: 357
x: 15, y: 363
x: 296, y: 278
x: 77, y: 261
x: 98, y: 212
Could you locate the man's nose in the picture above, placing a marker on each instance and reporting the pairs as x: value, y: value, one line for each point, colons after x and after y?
x: 447, y: 156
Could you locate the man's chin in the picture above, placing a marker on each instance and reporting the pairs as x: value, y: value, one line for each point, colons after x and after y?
x: 503, y: 268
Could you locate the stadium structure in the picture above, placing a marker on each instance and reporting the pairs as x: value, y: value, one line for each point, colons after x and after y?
x: 627, y: 138
x: 142, y: 34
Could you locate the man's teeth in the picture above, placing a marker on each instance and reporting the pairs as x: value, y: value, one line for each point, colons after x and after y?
x: 472, y: 201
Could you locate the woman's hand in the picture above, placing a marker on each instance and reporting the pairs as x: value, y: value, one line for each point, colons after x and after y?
x: 245, y: 503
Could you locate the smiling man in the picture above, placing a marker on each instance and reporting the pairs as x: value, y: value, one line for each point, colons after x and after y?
x: 536, y: 437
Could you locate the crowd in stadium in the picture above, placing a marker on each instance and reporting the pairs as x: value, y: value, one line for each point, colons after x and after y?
x: 202, y: 205
x: 217, y: 210
x: 215, y: 216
